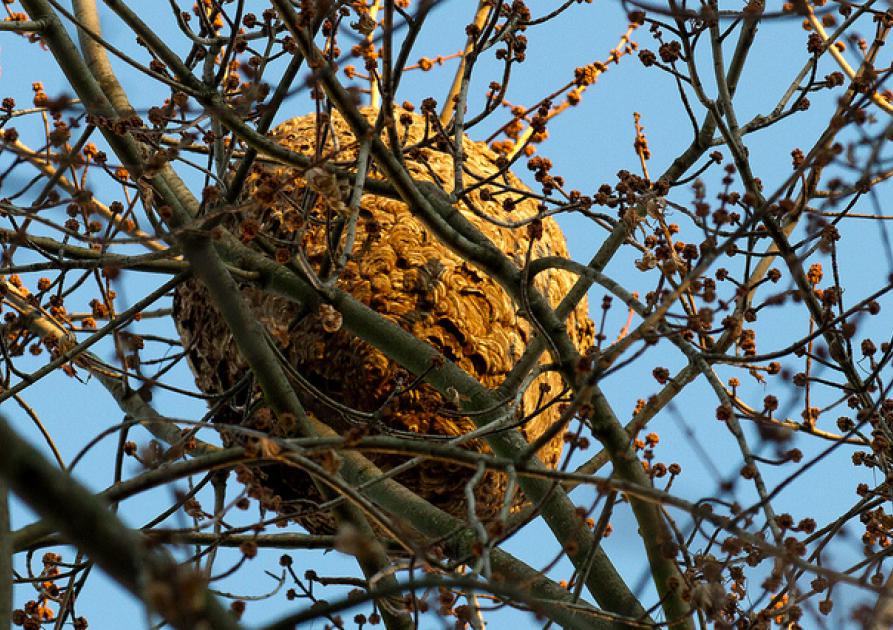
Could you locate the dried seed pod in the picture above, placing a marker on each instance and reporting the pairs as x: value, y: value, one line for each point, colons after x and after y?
x: 327, y: 186
x: 330, y: 318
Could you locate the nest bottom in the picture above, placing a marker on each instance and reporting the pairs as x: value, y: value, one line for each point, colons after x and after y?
x: 351, y: 372
x: 292, y: 493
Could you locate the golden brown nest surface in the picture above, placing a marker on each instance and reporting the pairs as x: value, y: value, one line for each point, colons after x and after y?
x: 399, y: 269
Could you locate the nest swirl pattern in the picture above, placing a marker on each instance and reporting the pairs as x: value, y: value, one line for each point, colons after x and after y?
x: 400, y: 270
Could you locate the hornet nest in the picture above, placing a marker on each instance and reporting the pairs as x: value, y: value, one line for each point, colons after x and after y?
x: 400, y: 270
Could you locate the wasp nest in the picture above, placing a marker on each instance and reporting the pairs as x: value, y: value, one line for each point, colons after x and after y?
x: 400, y: 270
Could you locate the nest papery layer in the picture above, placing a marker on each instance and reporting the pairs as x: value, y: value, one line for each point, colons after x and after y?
x: 399, y: 269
